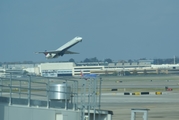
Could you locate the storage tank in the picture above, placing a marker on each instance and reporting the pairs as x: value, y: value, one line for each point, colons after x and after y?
x: 59, y: 92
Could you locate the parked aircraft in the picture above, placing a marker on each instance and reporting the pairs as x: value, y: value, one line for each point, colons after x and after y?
x: 63, y: 49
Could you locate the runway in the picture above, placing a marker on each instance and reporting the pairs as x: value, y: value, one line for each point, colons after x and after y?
x: 158, y: 111
x: 170, y: 98
x: 162, y: 107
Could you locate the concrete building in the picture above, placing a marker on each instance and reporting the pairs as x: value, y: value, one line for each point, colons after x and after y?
x: 56, y: 69
x: 65, y: 69
x: 77, y: 70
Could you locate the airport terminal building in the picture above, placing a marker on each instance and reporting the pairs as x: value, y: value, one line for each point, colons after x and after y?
x: 56, y: 69
x: 76, y: 69
x: 65, y: 69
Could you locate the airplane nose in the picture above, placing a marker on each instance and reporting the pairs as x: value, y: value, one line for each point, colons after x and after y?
x: 79, y: 38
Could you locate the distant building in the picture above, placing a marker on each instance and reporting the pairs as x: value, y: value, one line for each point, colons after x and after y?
x: 56, y: 69
x: 75, y: 69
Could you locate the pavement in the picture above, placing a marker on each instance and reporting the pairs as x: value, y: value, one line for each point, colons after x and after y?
x: 162, y: 107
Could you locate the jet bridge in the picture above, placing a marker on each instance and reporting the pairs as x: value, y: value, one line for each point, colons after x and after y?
x: 40, y: 98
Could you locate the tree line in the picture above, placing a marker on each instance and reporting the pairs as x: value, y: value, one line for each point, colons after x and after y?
x: 109, y: 60
x: 155, y: 61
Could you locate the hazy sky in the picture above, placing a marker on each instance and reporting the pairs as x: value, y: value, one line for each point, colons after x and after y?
x: 116, y: 29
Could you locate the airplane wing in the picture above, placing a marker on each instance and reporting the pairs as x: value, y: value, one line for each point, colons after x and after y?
x: 49, y: 52
x: 58, y: 51
x: 70, y: 52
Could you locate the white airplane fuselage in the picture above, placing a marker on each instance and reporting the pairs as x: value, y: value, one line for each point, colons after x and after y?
x: 63, y: 49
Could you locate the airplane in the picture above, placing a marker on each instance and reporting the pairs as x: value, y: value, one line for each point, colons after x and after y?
x: 63, y: 49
